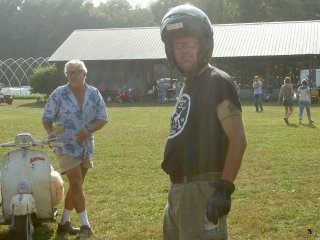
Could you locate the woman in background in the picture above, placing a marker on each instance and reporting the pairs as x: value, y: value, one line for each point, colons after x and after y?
x: 285, y: 95
x: 304, y: 100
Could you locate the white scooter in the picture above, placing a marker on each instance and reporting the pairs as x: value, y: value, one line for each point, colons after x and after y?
x: 30, y: 187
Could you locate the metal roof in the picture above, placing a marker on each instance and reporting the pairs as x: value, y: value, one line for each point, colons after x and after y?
x: 111, y: 44
x: 231, y: 40
x: 267, y: 39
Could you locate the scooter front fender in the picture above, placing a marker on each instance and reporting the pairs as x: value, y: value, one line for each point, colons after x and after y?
x: 22, y: 204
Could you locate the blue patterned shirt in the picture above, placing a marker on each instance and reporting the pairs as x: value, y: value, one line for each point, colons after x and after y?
x: 62, y: 107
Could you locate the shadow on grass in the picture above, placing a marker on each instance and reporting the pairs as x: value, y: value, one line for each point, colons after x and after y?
x: 39, y: 233
x: 296, y: 125
x: 111, y: 104
x: 246, y: 102
x: 308, y: 125
x: 140, y: 104
x: 62, y: 236
x: 152, y: 103
x: 42, y: 230
x: 293, y: 125
x: 33, y: 105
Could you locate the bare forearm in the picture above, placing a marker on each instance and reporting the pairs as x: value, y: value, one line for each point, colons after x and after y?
x: 83, y: 134
x: 97, y: 124
x: 233, y: 160
x: 47, y: 126
x: 280, y: 94
x: 232, y: 123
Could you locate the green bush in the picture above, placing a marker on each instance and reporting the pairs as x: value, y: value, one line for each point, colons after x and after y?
x: 38, y: 96
x: 44, y: 80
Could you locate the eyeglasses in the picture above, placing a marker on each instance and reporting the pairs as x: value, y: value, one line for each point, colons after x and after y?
x: 187, y: 45
x: 75, y: 72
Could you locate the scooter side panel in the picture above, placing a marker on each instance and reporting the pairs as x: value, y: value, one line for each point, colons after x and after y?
x: 40, y: 170
x: 57, y: 188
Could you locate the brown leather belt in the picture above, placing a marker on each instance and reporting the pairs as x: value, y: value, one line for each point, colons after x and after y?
x: 196, y: 178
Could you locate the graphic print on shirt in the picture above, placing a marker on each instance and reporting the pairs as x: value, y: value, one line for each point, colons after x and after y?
x: 180, y: 115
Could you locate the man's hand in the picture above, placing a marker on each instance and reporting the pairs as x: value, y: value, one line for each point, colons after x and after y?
x: 82, y: 135
x: 219, y: 204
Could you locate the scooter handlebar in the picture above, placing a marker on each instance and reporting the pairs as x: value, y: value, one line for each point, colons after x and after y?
x: 38, y: 142
x: 55, y: 144
x: 8, y: 144
x: 35, y: 143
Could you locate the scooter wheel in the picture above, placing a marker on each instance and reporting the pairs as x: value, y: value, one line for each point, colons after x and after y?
x: 23, y: 227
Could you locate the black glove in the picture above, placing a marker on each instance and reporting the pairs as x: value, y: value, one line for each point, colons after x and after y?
x: 219, y: 204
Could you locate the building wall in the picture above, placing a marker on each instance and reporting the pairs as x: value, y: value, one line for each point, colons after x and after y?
x: 132, y: 74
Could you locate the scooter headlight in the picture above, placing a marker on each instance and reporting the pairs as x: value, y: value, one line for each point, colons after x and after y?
x: 24, y: 140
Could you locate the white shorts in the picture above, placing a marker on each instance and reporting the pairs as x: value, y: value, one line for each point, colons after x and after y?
x: 67, y: 162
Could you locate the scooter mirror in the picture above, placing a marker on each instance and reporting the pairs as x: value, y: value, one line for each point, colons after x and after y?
x: 58, y: 128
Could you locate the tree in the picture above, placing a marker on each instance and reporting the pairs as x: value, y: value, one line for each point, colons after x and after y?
x: 120, y: 14
x: 44, y: 80
x: 161, y: 7
x: 8, y: 12
x: 36, y: 28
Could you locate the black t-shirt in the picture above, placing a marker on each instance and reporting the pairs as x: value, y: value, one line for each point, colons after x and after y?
x: 197, y: 143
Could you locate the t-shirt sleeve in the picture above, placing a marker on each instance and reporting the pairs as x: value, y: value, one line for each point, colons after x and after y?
x: 226, y: 90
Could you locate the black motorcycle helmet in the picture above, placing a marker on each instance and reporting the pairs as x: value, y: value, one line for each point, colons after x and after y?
x: 187, y: 20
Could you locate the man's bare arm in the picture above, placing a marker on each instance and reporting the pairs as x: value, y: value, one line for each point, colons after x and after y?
x: 231, y: 120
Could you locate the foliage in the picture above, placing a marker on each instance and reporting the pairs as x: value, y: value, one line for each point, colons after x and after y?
x: 37, y: 96
x: 276, y: 193
x: 44, y: 80
x: 36, y: 28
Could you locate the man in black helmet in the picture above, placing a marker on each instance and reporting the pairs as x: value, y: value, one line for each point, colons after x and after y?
x: 207, y: 139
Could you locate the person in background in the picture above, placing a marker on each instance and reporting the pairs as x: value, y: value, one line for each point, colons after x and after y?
x: 81, y: 109
x: 304, y: 100
x: 237, y: 87
x: 257, y: 92
x: 162, y: 91
x: 1, y: 97
x: 207, y: 140
x: 285, y: 95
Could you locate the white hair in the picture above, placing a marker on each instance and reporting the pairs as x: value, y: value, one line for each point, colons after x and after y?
x: 76, y: 62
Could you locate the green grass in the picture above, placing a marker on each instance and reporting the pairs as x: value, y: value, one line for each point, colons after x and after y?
x: 277, y: 194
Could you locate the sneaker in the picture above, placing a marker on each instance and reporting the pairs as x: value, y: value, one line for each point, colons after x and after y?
x: 311, y: 122
x: 300, y: 122
x: 286, y: 120
x: 84, y: 233
x: 67, y: 228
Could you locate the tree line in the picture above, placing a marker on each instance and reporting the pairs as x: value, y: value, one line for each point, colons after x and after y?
x: 36, y: 28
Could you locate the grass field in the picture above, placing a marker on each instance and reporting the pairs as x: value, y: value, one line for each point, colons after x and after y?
x: 278, y: 187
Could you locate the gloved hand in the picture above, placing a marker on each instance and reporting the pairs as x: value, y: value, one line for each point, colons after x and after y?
x: 219, y: 204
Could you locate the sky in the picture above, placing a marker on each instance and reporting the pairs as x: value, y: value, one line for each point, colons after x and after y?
x: 142, y: 3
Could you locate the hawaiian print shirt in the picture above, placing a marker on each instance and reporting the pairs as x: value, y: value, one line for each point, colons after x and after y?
x: 62, y: 107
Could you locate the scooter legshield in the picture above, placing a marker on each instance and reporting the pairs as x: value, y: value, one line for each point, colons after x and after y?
x: 57, y: 188
x: 34, y: 167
